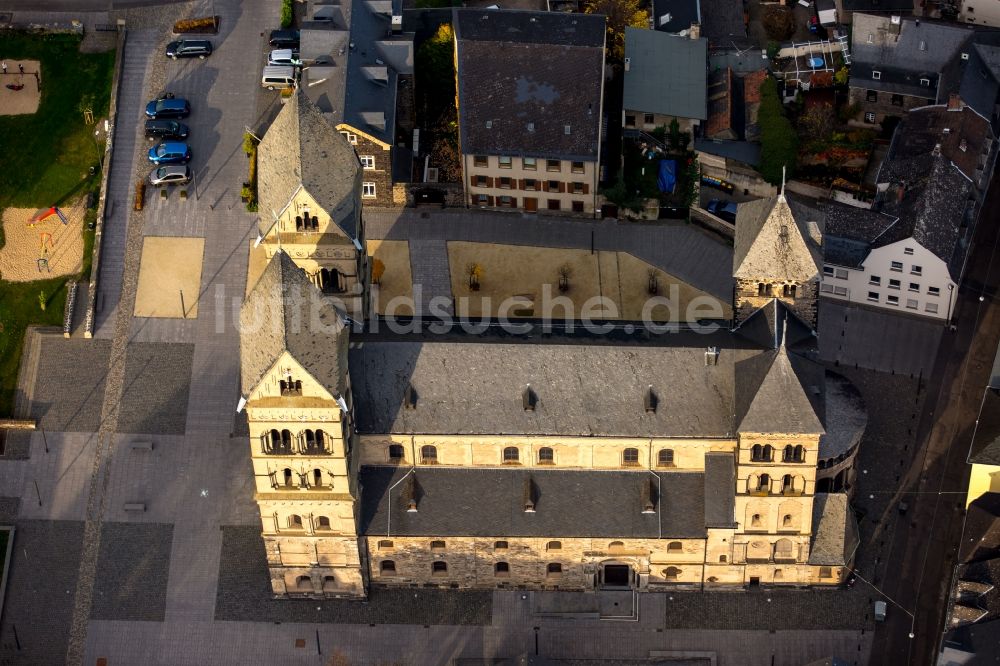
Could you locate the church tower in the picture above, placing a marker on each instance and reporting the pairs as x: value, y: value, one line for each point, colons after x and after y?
x: 293, y: 350
x: 777, y: 254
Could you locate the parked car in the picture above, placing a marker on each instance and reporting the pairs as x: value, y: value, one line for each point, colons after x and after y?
x: 725, y: 210
x: 284, y: 39
x: 170, y: 152
x: 166, y: 129
x: 168, y: 107
x: 170, y: 175
x: 288, y: 57
x: 189, y: 48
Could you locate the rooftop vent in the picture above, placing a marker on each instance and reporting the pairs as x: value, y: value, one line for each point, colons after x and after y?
x: 937, y: 150
x: 650, y: 400
x: 409, y: 397
x: 567, y: 129
x: 895, y: 20
x: 531, y: 127
x: 647, y: 496
x: 628, y: 63
x: 489, y: 124
x: 529, y: 399
x: 963, y: 145
x: 946, y: 131
x: 712, y: 356
x: 410, y: 493
x: 530, y: 496
x: 923, y: 45
x: 965, y: 56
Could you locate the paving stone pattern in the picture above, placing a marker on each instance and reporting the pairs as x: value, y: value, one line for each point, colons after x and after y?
x: 244, y: 594
x: 70, y: 382
x: 157, y: 384
x: 429, y: 266
x: 132, y: 572
x: 42, y: 578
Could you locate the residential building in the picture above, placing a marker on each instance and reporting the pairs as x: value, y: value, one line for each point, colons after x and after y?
x: 378, y: 464
x: 897, y: 63
x: 655, y: 95
x: 308, y: 185
x: 908, y: 253
x: 980, y: 12
x: 359, y: 63
x: 676, y: 17
x: 530, y: 102
x: 733, y: 103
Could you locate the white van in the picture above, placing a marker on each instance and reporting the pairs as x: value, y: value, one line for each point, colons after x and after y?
x: 278, y: 77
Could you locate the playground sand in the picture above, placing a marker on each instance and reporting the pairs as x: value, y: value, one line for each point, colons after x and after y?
x: 23, y: 244
x: 25, y: 100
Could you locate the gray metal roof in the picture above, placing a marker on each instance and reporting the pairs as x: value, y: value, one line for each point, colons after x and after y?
x: 835, y: 531
x: 666, y: 74
x: 720, y: 486
x: 489, y: 502
x: 286, y: 312
x: 301, y: 148
x: 582, y: 390
x: 524, y: 78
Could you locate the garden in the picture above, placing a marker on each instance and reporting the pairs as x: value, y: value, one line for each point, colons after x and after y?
x: 664, y: 170
x: 51, y: 158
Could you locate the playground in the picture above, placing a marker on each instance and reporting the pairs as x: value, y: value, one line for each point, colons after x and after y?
x: 42, y: 243
x: 20, y: 87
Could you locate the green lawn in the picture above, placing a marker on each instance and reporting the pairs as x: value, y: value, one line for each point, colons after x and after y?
x: 45, y: 160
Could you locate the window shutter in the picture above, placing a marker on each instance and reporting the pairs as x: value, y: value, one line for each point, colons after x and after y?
x: 489, y: 181
x: 513, y: 202
x: 520, y: 183
x: 586, y: 188
x: 562, y: 186
x: 489, y: 200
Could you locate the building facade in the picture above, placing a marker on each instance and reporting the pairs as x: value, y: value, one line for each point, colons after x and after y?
x: 530, y: 102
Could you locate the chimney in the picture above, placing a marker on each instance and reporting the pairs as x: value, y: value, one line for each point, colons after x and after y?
x: 695, y: 31
x: 410, y: 493
x: 529, y: 399
x: 955, y: 102
x: 530, y: 496
x: 937, y: 150
x: 963, y: 145
x: 647, y: 494
x: 900, y: 191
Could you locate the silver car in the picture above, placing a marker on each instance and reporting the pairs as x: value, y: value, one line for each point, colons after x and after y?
x: 175, y: 174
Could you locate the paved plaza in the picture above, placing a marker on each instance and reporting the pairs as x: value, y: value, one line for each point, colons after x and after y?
x: 145, y: 415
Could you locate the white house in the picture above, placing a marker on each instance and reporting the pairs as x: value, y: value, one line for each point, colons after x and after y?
x: 908, y: 253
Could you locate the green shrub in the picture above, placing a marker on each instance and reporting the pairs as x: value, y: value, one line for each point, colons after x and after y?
x: 778, y: 140
x: 286, y: 13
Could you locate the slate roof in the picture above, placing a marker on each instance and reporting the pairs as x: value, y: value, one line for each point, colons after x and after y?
x: 923, y: 129
x: 986, y: 441
x: 903, y: 54
x: 489, y: 502
x: 302, y: 149
x: 774, y: 325
x: 583, y: 390
x: 981, y: 532
x: 740, y: 151
x: 286, y: 312
x: 780, y: 403
x: 653, y: 87
x: 722, y: 23
x: 835, y: 531
x: 845, y: 419
x: 848, y: 232
x: 773, y: 241
x: 720, y: 485
x: 529, y: 75
x: 722, y: 111
x: 681, y: 14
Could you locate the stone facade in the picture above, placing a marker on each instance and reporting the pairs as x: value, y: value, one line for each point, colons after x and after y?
x: 376, y: 164
x: 800, y: 297
x: 876, y: 105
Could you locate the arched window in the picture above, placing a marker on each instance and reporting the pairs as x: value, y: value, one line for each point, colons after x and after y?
x: 755, y: 520
x: 500, y: 545
x: 671, y: 573
x: 511, y: 455
x: 553, y: 569
x: 786, y: 520
x: 329, y: 584
x: 616, y: 547
x: 764, y: 483
x: 428, y: 455
x: 290, y: 387
x: 675, y: 546
x: 778, y: 575
x: 287, y: 477
x: 323, y: 523
x: 310, y: 438
x: 786, y: 483
x: 553, y: 545
x: 630, y: 457
x: 546, y: 456
x: 788, y: 291
x: 286, y: 440
x: 439, y: 568
x: 665, y: 457
x: 303, y: 584
x: 783, y: 549
x: 760, y: 288
x: 438, y: 545
x: 313, y: 441
x: 501, y: 568
x: 387, y: 568
x: 276, y: 444
x: 330, y: 281
x: 396, y: 453
x: 295, y: 522
x: 768, y: 453
x: 317, y: 478
x: 768, y: 289
x: 798, y: 454
x: 756, y: 452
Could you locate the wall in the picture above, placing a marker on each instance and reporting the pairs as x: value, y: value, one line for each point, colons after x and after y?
x: 380, y: 173
x: 856, y: 282
x: 883, y: 106
x: 518, y: 174
x: 984, y: 479
x: 803, y: 304
x: 981, y: 12
x: 686, y: 125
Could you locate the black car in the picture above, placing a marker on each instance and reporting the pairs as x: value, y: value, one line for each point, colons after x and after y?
x: 168, y: 107
x: 166, y: 129
x: 189, y: 48
x: 284, y: 39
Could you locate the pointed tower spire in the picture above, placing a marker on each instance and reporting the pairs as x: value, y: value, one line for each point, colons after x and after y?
x: 781, y: 193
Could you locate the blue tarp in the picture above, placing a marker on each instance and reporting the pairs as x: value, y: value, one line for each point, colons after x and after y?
x: 667, y: 178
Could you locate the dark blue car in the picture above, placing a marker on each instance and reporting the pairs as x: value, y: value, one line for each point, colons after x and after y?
x: 168, y: 107
x: 170, y: 152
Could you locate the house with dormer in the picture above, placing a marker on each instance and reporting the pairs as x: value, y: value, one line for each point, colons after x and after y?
x: 308, y: 182
x: 357, y: 62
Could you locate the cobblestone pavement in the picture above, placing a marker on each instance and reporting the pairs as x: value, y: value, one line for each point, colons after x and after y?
x: 132, y: 572
x: 429, y: 264
x: 157, y: 387
x: 68, y: 392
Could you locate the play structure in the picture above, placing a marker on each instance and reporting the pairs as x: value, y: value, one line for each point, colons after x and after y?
x: 42, y: 216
